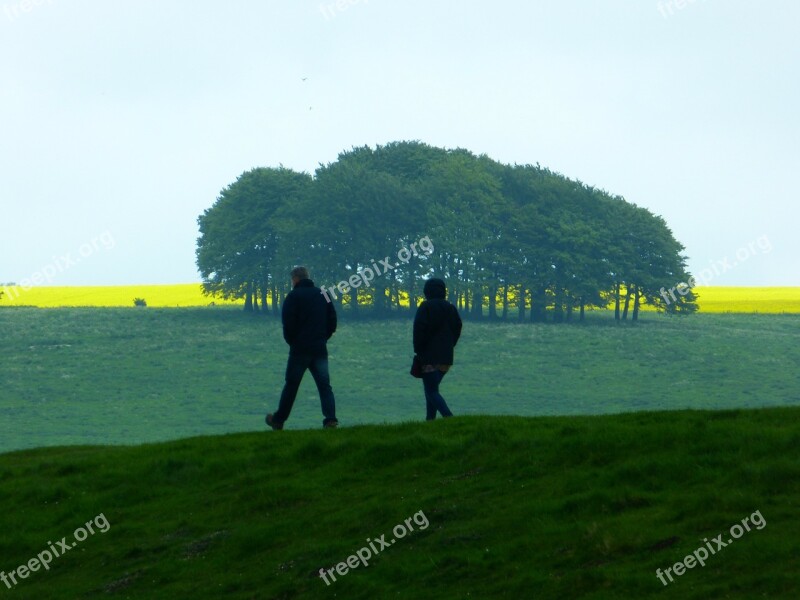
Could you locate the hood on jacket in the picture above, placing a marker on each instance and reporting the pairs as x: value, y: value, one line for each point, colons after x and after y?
x: 435, y: 288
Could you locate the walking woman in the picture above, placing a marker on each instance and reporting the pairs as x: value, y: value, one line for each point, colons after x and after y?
x: 437, y: 327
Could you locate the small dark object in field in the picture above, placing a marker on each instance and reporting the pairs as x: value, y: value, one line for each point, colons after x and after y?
x: 660, y: 545
x: 139, y: 302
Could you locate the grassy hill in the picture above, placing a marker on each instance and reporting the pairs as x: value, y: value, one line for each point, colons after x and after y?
x: 555, y: 507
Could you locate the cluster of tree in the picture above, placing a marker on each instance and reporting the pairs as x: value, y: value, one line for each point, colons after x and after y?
x: 507, y: 237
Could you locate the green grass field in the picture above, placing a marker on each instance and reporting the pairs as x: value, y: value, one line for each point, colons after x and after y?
x: 562, y: 500
x: 554, y: 507
x: 126, y: 376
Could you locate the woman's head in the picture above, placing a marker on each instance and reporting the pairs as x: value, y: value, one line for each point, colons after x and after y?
x: 435, y: 288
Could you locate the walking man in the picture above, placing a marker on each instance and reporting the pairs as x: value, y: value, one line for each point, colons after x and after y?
x: 308, y: 323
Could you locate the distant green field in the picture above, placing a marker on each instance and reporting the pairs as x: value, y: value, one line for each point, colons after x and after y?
x: 516, y: 509
x: 126, y: 376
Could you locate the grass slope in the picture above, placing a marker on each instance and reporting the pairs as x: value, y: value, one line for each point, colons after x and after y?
x: 123, y: 376
x: 558, y: 507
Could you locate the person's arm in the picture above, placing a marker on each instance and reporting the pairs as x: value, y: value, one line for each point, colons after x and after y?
x: 456, y: 324
x: 289, y: 318
x: 331, y: 320
x: 420, y: 328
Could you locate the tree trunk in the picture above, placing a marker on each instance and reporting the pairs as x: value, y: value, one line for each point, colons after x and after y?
x: 274, y: 298
x: 377, y: 305
x: 493, y: 303
x: 248, y: 299
x: 354, y: 301
x: 477, y: 304
x: 398, y: 292
x: 521, y: 303
x: 627, y: 304
x: 616, y: 302
x: 538, y: 305
x: 505, y: 302
x: 583, y: 307
x: 278, y: 301
x: 558, y: 306
x: 453, y: 296
x: 636, y: 298
x: 412, y: 296
x: 394, y: 293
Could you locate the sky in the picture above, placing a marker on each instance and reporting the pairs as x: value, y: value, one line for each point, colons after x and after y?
x: 121, y: 122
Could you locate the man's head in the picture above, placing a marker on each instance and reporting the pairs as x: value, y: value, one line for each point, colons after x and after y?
x: 297, y: 274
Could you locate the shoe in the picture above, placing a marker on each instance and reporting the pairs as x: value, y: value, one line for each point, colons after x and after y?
x: 331, y: 425
x: 275, y: 426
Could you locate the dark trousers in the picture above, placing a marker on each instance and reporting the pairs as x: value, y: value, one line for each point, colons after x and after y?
x: 295, y: 369
x: 433, y: 399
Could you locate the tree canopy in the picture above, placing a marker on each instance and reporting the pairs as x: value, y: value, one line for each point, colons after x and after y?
x: 505, y: 237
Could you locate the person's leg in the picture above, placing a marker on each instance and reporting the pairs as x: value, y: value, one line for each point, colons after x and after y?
x: 431, y: 387
x: 321, y: 375
x: 431, y: 382
x: 430, y: 407
x: 441, y: 405
x: 295, y: 368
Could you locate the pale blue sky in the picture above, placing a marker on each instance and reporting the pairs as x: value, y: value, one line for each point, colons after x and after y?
x: 124, y: 120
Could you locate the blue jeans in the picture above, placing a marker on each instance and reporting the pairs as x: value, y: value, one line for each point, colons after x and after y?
x: 295, y: 369
x: 433, y: 399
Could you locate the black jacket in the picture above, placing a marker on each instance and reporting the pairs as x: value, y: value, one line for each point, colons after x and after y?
x: 437, y: 326
x: 309, y: 320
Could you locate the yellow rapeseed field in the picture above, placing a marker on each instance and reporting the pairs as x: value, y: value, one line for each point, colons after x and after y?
x: 189, y: 294
x: 765, y: 300
x: 768, y: 300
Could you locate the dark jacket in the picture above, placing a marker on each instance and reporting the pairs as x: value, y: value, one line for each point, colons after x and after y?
x: 437, y: 326
x: 309, y: 320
